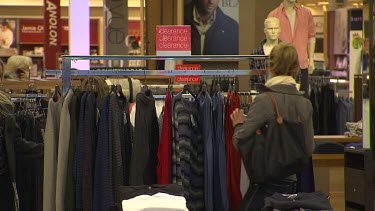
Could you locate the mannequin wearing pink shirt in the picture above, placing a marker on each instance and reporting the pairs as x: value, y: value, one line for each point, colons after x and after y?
x: 298, y: 27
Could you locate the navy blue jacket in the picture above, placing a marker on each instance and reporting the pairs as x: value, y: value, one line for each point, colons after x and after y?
x: 221, y: 38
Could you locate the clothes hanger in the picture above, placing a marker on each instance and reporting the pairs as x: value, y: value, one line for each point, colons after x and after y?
x: 120, y: 94
x: 188, y: 91
x: 145, y: 87
x: 204, y: 87
x: 229, y: 86
x: 94, y: 87
x: 170, y: 86
x: 113, y: 89
x: 56, y: 94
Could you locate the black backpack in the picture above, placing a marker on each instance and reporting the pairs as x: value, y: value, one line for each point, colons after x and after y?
x: 276, y: 150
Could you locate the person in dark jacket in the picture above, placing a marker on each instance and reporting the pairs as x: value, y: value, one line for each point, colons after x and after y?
x: 10, y: 143
x: 212, y: 31
x: 283, y: 66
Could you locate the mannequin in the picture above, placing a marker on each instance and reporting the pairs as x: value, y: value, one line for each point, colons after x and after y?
x: 299, y: 29
x: 272, y: 31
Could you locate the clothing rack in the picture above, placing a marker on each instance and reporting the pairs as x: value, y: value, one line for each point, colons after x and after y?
x: 67, y: 72
x: 28, y: 95
x: 160, y: 86
x: 248, y: 93
x: 162, y: 97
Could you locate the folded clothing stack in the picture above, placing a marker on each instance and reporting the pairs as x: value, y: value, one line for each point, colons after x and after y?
x: 159, y: 201
x: 328, y: 147
x: 355, y: 129
x: 306, y: 201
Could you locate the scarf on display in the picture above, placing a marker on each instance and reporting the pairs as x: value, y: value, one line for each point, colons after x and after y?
x: 281, y: 79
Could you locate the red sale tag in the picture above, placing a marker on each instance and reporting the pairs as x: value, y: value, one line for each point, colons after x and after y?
x: 193, y: 79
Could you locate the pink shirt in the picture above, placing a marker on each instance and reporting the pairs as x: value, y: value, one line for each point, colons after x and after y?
x: 304, y: 29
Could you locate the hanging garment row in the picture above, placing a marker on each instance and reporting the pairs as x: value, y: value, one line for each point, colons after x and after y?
x: 93, y: 153
x: 31, y: 119
x: 331, y: 111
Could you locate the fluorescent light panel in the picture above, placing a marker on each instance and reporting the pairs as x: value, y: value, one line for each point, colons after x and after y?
x: 323, y: 3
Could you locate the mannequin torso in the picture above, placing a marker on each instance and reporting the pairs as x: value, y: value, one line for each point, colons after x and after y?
x: 291, y: 13
x: 298, y: 28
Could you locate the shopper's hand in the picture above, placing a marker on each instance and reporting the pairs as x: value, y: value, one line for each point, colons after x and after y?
x: 237, y: 117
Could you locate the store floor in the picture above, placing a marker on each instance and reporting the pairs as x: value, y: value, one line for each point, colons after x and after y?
x: 329, y: 178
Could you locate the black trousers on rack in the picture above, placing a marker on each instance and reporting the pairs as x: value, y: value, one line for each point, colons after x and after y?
x: 304, y: 81
x: 6, y: 193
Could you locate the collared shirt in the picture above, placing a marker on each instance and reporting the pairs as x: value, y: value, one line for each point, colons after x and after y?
x: 304, y: 29
x: 258, y: 64
x: 202, y: 27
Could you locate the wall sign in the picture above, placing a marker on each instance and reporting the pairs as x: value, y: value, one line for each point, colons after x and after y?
x: 173, y: 40
x: 115, y: 26
x: 52, y: 38
x: 32, y: 31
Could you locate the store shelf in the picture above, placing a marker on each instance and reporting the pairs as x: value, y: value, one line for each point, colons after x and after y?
x: 337, y: 138
x: 328, y: 160
x: 38, y: 84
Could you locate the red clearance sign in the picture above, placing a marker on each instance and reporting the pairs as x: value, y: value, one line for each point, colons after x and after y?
x: 52, y: 40
x: 173, y: 38
x: 194, y: 79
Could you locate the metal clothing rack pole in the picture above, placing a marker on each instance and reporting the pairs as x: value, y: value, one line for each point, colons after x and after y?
x: 67, y: 72
x: 28, y: 95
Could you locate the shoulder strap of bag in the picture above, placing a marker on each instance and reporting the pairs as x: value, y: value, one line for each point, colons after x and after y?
x: 279, y: 118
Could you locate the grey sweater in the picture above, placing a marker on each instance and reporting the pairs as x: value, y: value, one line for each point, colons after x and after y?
x: 63, y: 152
x: 291, y: 103
x: 51, y: 138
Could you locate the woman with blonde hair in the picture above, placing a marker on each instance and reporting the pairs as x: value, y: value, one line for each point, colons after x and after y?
x: 18, y: 67
x: 283, y: 66
x: 10, y: 143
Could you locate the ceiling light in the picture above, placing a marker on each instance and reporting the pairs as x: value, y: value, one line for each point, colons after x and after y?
x: 311, y: 5
x: 323, y: 3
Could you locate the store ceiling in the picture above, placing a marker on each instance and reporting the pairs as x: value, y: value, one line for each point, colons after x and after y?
x: 136, y: 3
x: 319, y: 3
x: 93, y: 3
